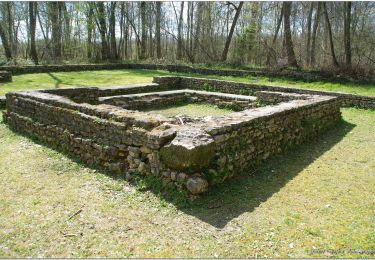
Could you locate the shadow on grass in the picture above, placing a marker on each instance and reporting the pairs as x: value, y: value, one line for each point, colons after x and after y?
x: 245, y: 192
x: 57, y: 80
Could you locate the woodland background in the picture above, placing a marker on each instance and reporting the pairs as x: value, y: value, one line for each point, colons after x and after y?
x: 308, y: 35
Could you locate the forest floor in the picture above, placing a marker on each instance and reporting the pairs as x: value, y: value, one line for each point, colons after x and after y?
x: 316, y: 200
x: 106, y: 78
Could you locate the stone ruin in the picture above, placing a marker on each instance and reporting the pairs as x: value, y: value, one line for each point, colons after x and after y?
x: 109, y: 128
x: 5, y: 76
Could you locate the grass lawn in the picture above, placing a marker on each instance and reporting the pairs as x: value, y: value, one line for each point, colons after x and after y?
x: 101, y: 78
x: 192, y: 110
x: 352, y: 88
x: 306, y: 203
x: 123, y: 77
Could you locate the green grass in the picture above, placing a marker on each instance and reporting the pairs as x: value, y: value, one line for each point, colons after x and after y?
x: 314, y: 201
x: 192, y: 110
x: 122, y: 77
x: 352, y: 88
x: 102, y: 78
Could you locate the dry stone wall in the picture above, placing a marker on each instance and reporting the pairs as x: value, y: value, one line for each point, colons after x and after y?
x: 5, y: 76
x: 167, y: 98
x: 270, y: 97
x: 247, y: 138
x: 2, y: 102
x: 192, y: 156
x: 98, y: 135
x: 346, y: 100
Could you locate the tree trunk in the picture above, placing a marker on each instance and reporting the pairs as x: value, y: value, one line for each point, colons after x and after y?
x: 144, y: 31
x: 191, y: 17
x: 308, y: 42
x: 5, y: 43
x: 67, y: 28
x: 271, y: 49
x: 126, y: 34
x: 229, y: 38
x: 287, y: 7
x: 130, y: 20
x: 150, y: 40
x: 45, y: 34
x: 278, y: 26
x: 10, y: 20
x: 112, y: 31
x: 120, y: 49
x: 347, y: 23
x: 179, y: 35
x: 158, y: 20
x: 56, y: 29
x: 103, y: 30
x: 329, y: 29
x: 198, y: 21
x: 188, y: 26
x: 90, y: 27
x: 315, y: 30
x: 32, y: 15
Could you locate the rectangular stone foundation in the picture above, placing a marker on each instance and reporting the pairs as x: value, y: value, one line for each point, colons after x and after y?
x: 193, y: 155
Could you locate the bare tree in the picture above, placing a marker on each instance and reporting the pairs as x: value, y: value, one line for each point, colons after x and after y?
x: 158, y: 36
x: 67, y: 28
x: 55, y: 18
x: 198, y: 22
x: 102, y: 26
x: 288, y: 43
x: 5, y: 42
x: 90, y: 28
x: 32, y: 16
x: 179, y: 33
x: 347, y: 23
x: 229, y: 38
x: 271, y: 50
x: 314, y: 34
x: 112, y: 31
x: 308, y: 41
x: 10, y: 20
x: 330, y: 37
x: 144, y: 31
x: 150, y: 33
x: 234, y: 32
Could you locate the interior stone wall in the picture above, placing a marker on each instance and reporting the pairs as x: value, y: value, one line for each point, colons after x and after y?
x: 5, y: 76
x: 293, y: 74
x: 156, y: 100
x: 270, y: 97
x: 3, y: 102
x: 346, y: 100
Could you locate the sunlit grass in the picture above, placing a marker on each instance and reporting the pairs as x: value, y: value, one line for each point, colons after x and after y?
x: 309, y: 202
x: 314, y: 201
x: 352, y: 88
x: 101, y: 78
x: 104, y: 78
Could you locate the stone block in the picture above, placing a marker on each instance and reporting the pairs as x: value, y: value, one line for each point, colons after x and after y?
x: 192, y: 148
